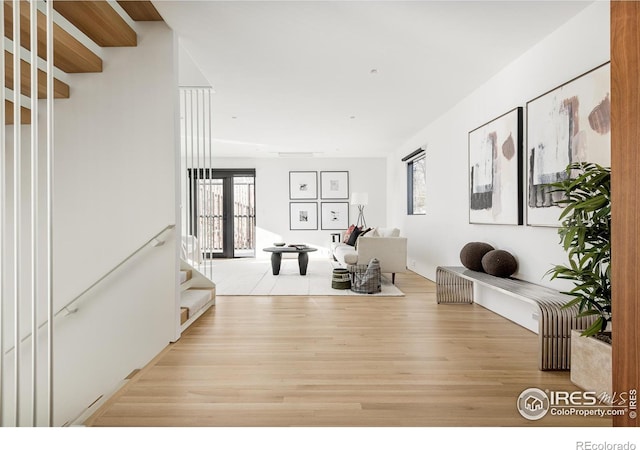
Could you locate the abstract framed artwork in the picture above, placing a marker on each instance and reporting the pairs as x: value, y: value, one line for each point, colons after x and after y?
x: 303, y: 185
x: 334, y: 215
x: 334, y: 185
x: 571, y: 123
x: 303, y: 216
x: 495, y: 171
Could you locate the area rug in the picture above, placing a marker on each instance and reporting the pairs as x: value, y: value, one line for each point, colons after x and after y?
x: 248, y: 276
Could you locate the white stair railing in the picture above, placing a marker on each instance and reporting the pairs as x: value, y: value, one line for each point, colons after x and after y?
x: 25, y: 241
x: 196, y: 160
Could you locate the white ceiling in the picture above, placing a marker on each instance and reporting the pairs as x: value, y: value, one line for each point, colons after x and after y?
x: 296, y: 76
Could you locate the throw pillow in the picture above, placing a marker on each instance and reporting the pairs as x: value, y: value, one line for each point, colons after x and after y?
x: 354, y: 236
x: 499, y: 263
x: 386, y: 232
x: 348, y: 234
x: 368, y: 230
x: 472, y: 253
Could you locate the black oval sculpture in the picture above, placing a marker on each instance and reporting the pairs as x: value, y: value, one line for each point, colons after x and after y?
x: 499, y: 263
x: 472, y: 253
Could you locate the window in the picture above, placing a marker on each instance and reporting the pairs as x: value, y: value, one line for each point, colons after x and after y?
x: 416, y: 185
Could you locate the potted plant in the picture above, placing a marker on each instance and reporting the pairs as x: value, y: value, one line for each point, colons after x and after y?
x: 585, y: 234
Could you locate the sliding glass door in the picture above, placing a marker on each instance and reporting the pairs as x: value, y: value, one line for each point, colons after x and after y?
x: 222, y: 212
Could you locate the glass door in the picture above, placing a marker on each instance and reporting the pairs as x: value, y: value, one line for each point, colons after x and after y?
x: 244, y: 216
x: 223, y: 212
x: 211, y: 215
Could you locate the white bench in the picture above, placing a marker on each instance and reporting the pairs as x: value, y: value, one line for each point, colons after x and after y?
x: 555, y: 322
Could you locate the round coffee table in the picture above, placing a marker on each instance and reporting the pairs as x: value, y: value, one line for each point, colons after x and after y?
x: 276, y: 257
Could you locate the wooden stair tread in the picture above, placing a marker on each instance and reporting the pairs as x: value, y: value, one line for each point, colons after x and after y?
x: 184, y: 315
x: 141, y: 10
x: 25, y: 113
x: 60, y: 89
x: 69, y: 54
x: 99, y: 21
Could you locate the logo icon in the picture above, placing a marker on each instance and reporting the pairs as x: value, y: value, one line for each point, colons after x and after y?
x: 533, y: 404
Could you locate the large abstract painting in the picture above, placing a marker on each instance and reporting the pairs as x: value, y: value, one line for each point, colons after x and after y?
x: 495, y: 171
x: 571, y: 123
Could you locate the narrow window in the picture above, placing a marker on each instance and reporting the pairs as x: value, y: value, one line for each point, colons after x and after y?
x: 416, y: 185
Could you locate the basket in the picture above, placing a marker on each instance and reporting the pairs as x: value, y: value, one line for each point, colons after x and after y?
x: 341, y: 279
x: 366, y: 278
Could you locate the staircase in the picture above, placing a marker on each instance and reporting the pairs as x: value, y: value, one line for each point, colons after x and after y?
x: 197, y: 294
x: 81, y: 28
x: 102, y: 155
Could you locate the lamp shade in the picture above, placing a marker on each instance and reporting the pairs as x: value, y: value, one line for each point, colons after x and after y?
x: 359, y: 198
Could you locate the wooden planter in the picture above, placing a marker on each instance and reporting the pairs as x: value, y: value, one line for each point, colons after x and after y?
x: 591, y: 364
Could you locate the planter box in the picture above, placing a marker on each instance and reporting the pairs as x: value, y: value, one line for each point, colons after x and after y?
x: 591, y: 364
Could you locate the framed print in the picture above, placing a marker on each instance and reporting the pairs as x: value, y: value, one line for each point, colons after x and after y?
x: 334, y: 185
x: 303, y: 216
x: 495, y: 171
x: 571, y: 123
x: 303, y: 185
x: 334, y: 215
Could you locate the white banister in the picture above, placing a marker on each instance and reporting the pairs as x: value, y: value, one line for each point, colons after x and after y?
x: 69, y: 308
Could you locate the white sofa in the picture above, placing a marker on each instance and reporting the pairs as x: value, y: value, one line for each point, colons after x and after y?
x: 384, y: 244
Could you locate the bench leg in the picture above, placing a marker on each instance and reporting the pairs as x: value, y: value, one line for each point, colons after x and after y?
x: 450, y: 288
x: 555, y: 323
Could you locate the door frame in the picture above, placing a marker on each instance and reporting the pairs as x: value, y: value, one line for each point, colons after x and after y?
x: 227, y: 176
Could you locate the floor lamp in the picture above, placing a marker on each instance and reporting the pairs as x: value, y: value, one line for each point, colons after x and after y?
x: 360, y: 199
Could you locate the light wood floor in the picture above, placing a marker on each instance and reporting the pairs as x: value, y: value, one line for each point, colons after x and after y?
x: 341, y: 361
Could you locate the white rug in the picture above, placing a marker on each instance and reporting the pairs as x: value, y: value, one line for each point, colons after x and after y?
x: 245, y: 276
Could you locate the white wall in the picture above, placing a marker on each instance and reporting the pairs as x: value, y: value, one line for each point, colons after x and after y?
x: 114, y: 188
x: 272, y: 195
x: 436, y: 238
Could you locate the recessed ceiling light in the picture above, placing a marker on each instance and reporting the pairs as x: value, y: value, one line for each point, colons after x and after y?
x: 234, y: 117
x: 352, y: 117
x: 373, y: 71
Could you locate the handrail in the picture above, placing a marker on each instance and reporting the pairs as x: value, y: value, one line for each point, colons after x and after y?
x: 116, y: 267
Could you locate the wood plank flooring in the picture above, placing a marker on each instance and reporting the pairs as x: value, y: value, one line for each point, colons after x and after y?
x: 341, y: 362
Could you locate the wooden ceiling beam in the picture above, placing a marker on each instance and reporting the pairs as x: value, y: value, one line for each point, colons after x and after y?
x: 60, y: 89
x: 25, y: 114
x: 99, y: 21
x: 141, y: 10
x: 69, y: 54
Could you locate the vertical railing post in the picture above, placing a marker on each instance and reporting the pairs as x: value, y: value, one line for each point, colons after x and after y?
x: 3, y: 121
x: 193, y: 184
x: 49, y: 214
x: 33, y: 31
x: 200, y: 187
x: 17, y: 210
x: 210, y: 167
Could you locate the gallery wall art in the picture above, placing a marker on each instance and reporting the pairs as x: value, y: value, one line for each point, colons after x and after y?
x: 571, y: 123
x: 334, y: 185
x: 303, y: 185
x: 303, y: 216
x: 495, y: 171
x: 334, y: 215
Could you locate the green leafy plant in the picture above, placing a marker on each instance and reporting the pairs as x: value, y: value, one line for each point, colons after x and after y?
x: 585, y: 235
